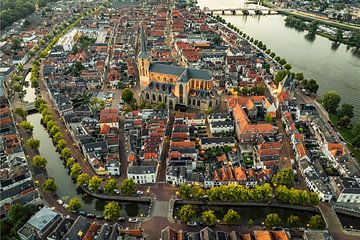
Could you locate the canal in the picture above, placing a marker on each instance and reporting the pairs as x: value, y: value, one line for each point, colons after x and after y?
x: 256, y: 213
x: 66, y: 188
x: 333, y: 67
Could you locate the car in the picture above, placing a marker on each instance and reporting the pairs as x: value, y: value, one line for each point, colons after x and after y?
x: 99, y: 217
x: 192, y: 224
x: 90, y: 215
x: 121, y: 219
x: 59, y: 201
x: 116, y: 191
x: 139, y: 192
x: 65, y: 205
x: 133, y: 220
x: 82, y: 213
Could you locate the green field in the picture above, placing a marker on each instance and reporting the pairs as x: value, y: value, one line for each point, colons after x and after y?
x: 347, y: 135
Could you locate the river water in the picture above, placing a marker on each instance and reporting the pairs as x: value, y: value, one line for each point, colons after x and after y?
x: 66, y: 187
x: 333, y: 67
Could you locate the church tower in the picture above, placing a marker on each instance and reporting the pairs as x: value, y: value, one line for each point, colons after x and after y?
x: 144, y: 60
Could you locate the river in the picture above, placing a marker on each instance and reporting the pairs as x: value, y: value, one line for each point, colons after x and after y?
x: 333, y: 67
x: 66, y: 187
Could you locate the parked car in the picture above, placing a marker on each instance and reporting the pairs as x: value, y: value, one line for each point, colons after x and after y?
x: 99, y: 217
x: 90, y: 215
x: 59, y: 201
x: 192, y: 224
x: 133, y: 220
x: 121, y: 219
x: 82, y: 213
x: 139, y: 192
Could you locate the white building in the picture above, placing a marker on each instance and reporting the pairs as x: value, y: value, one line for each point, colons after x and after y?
x: 316, y: 184
x: 226, y: 126
x: 142, y: 174
x: 207, y: 143
x: 113, y: 167
x: 176, y: 175
x: 346, y: 189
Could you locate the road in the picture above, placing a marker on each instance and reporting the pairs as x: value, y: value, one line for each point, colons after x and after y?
x: 325, y: 116
x: 165, y: 150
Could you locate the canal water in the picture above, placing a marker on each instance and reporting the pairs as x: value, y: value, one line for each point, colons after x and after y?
x: 66, y: 187
x: 333, y: 67
x: 256, y: 213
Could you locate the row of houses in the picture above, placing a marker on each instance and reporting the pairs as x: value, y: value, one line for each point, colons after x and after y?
x: 317, y: 148
x: 16, y: 183
x: 49, y: 224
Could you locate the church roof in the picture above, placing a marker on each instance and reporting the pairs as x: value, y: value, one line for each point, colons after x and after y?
x: 184, y: 73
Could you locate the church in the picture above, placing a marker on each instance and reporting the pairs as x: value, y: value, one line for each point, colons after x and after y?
x: 175, y: 86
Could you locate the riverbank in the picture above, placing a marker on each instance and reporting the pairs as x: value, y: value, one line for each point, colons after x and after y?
x: 348, y: 136
x: 302, y: 24
x: 328, y: 22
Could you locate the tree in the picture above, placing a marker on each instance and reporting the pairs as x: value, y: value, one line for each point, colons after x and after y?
x: 293, y: 221
x: 187, y: 213
x: 356, y: 141
x: 65, y: 153
x: 17, y: 87
x: 284, y: 177
x: 287, y: 66
x: 39, y: 161
x: 232, y: 217
x: 60, y: 144
x: 33, y: 143
x: 268, y: 118
x: 268, y: 51
x: 16, y: 44
x: 299, y: 76
x: 74, y: 204
x: 57, y: 137
x: 311, y: 86
x: 217, y: 40
x: 279, y: 76
x: 272, y: 54
x: 316, y: 222
x: 250, y: 222
x: 127, y: 95
x: 346, y: 110
x: 283, y: 62
x: 70, y: 162
x: 110, y: 186
x: 331, y: 101
x: 21, y: 112
x: 127, y: 186
x: 356, y: 129
x: 272, y: 220
x: 50, y: 185
x: 339, y: 35
x: 208, y: 217
x: 185, y: 191
x: 83, y: 179
x: 75, y: 170
x: 112, y: 211
x: 55, y: 129
x: 344, y: 122
x: 94, y: 183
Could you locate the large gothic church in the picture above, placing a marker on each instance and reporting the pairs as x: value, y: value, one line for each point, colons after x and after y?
x: 174, y: 85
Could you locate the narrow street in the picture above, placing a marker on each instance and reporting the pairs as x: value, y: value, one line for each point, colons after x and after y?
x: 166, y: 146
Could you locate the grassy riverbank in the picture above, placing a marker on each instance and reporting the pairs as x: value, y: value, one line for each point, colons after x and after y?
x: 347, y: 135
x: 328, y: 22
